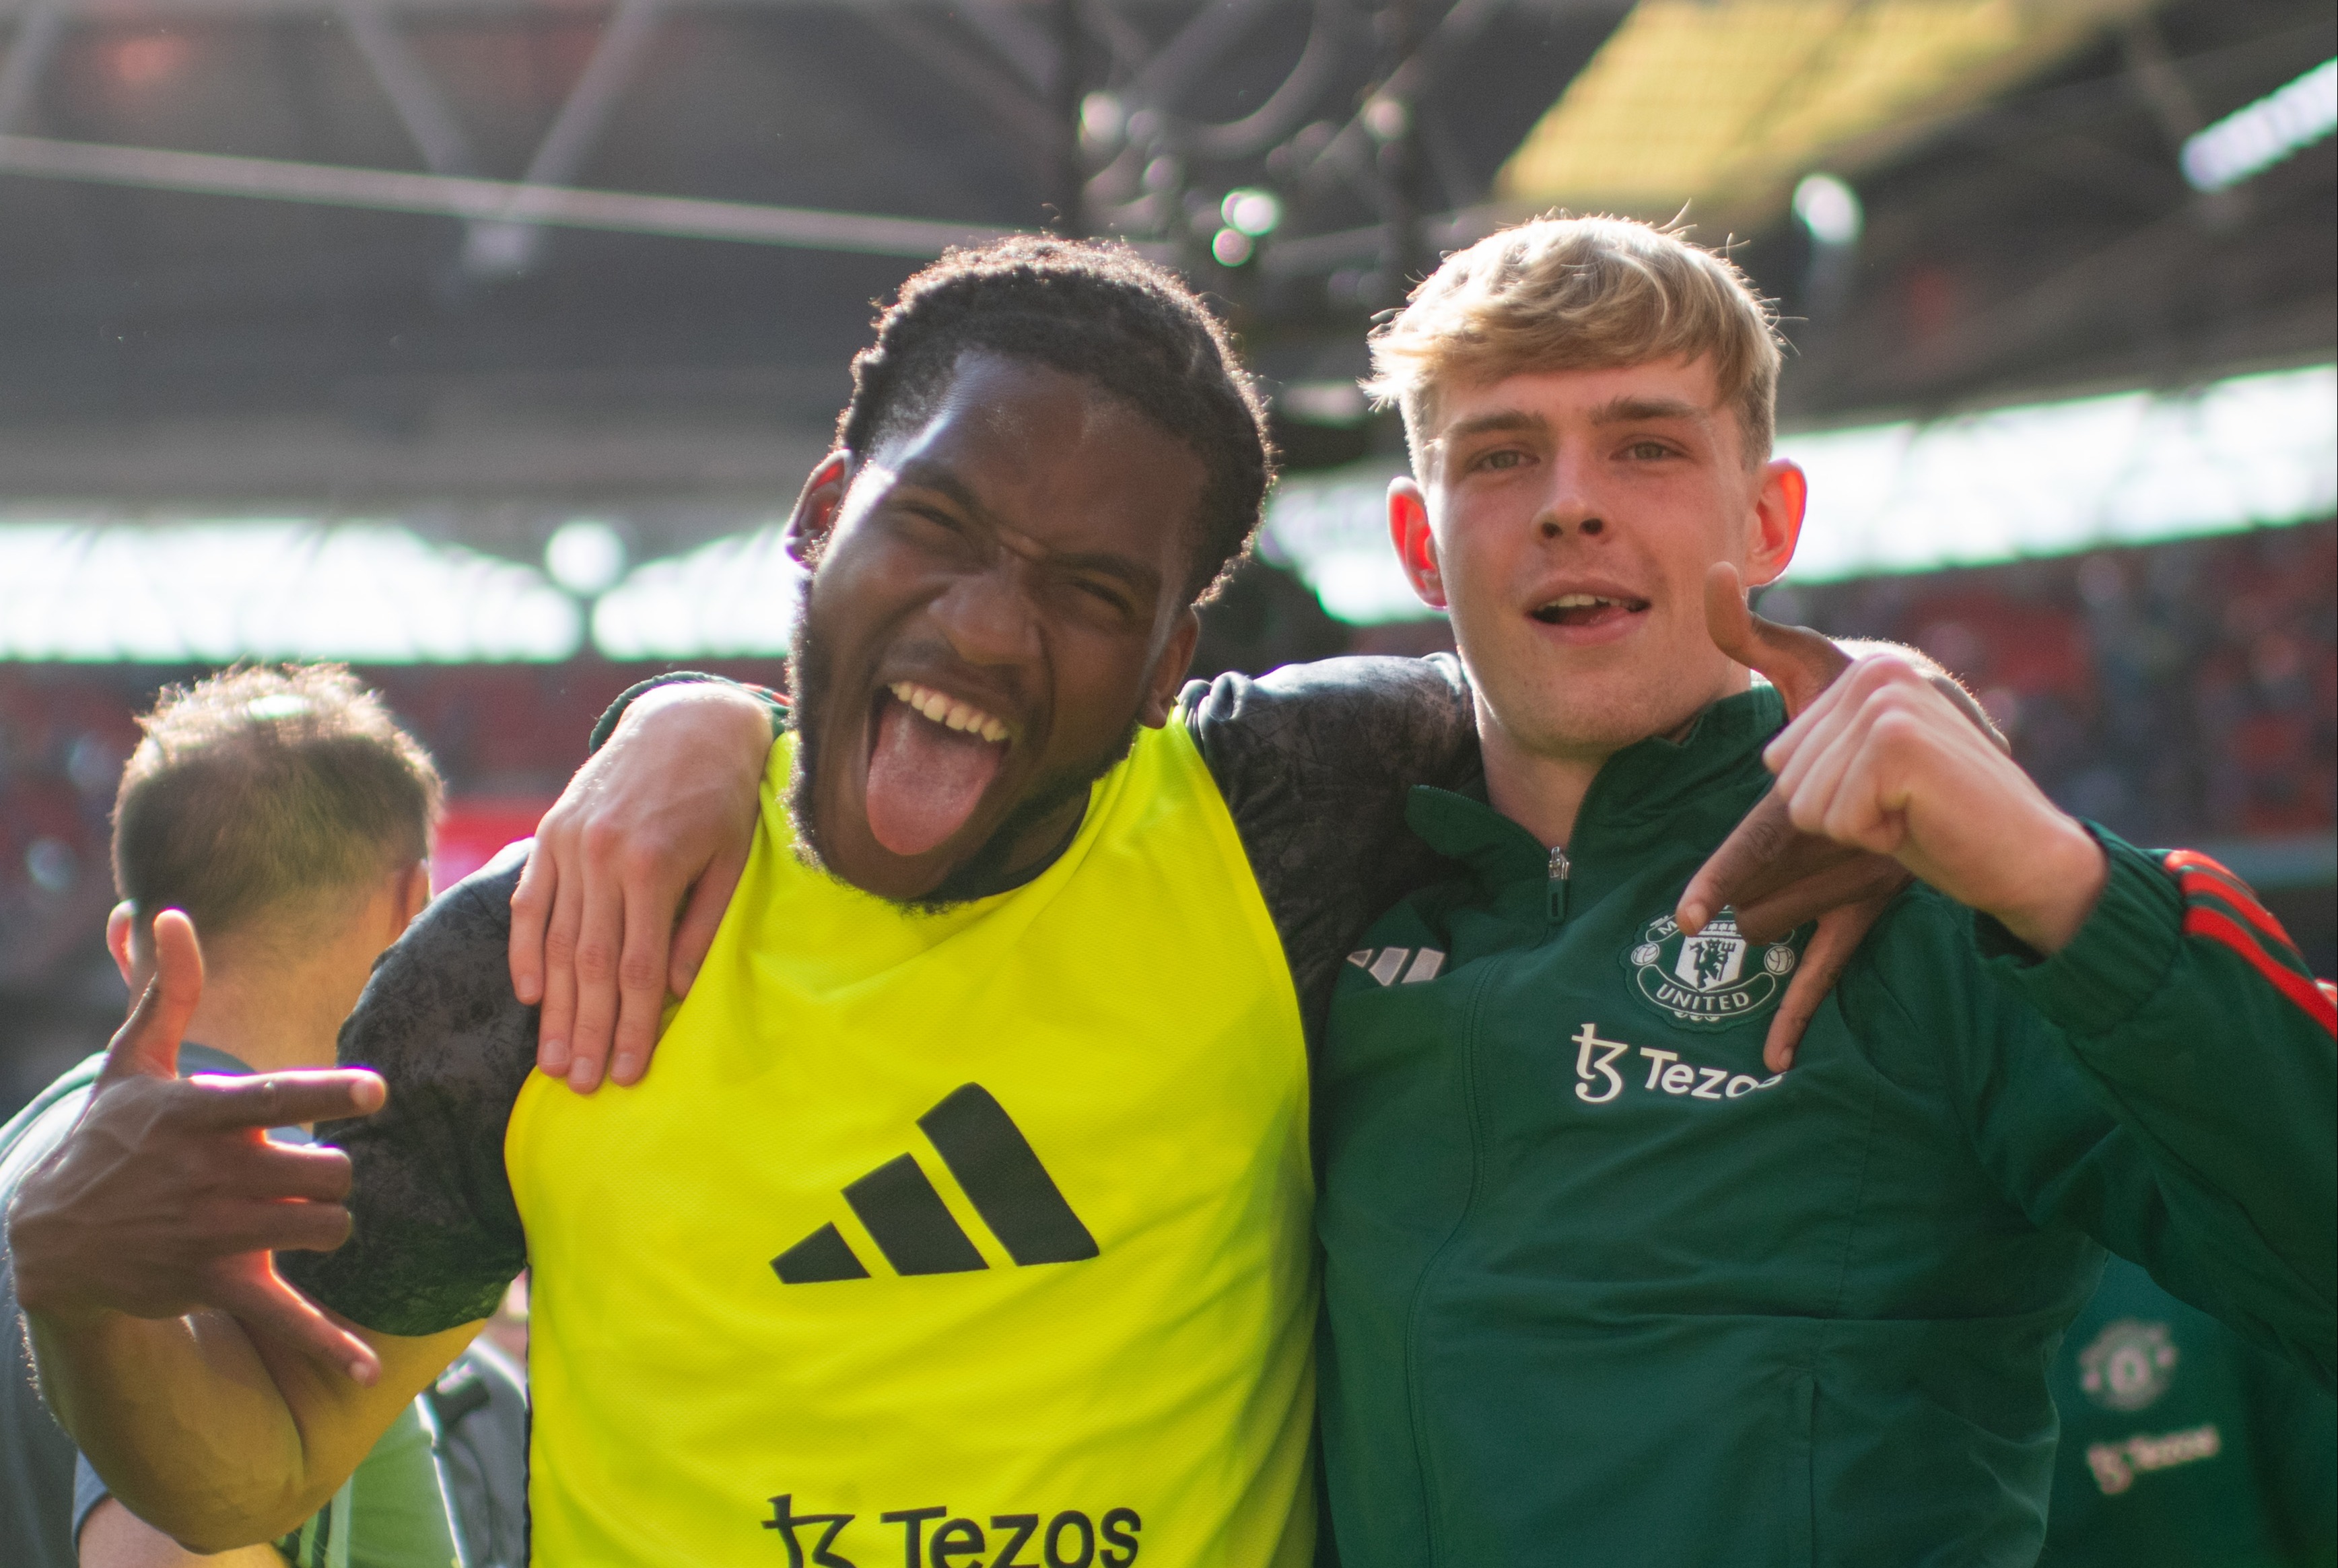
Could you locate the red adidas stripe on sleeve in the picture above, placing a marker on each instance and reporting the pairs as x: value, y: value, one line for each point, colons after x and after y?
x: 2196, y: 873
x: 2314, y: 997
x: 2201, y: 876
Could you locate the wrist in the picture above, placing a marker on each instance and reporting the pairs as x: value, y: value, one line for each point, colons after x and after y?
x: 2069, y: 872
x: 714, y: 704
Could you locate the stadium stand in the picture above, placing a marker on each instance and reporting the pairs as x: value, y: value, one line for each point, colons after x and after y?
x: 2182, y: 693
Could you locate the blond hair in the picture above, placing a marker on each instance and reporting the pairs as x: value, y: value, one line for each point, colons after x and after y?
x: 257, y: 791
x: 1565, y: 293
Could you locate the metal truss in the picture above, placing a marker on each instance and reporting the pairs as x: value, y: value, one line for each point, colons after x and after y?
x: 1077, y: 79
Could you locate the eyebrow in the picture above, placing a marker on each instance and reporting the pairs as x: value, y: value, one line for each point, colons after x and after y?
x: 926, y: 474
x: 1488, y: 423
x: 1628, y: 410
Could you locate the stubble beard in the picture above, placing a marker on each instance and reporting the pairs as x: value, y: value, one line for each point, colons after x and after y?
x: 811, y: 669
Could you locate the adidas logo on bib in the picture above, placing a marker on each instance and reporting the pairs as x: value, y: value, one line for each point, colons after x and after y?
x: 996, y: 1168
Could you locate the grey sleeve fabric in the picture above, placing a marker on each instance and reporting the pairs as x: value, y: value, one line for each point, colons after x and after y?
x: 38, y: 1518
x: 89, y: 1491
x: 436, y: 1232
x: 1315, y: 761
x: 478, y: 1417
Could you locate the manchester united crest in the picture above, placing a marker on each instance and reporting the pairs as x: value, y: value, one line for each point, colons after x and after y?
x: 1715, y: 977
x: 2128, y: 1366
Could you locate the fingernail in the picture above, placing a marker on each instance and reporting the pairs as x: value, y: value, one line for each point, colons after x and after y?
x: 581, y: 1077
x: 1691, y: 918
x: 623, y: 1069
x: 554, y: 1058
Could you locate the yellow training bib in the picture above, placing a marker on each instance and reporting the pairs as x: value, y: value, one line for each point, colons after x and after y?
x: 938, y: 1240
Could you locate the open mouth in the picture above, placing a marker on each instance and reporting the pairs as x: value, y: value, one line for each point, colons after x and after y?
x: 931, y: 757
x: 1586, y: 610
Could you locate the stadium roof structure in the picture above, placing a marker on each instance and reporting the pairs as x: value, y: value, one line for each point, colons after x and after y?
x: 1724, y: 106
x: 481, y: 267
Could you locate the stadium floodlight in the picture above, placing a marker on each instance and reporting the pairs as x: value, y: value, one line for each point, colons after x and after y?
x: 1254, y: 212
x: 1964, y: 489
x: 586, y: 555
x: 732, y: 597
x: 1828, y: 208
x: 1102, y: 120
x: 112, y: 590
x: 2253, y: 138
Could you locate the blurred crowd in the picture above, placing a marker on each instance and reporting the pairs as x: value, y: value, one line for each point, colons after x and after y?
x: 2180, y: 693
x: 2177, y: 692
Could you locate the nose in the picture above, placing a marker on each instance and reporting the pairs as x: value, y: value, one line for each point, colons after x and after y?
x: 1569, y: 506
x: 987, y: 616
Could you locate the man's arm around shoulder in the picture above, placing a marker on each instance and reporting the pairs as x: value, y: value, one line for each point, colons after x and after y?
x: 214, y: 1400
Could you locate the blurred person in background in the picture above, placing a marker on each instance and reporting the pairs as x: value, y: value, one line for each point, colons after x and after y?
x: 476, y: 1413
x: 2184, y: 1446
x: 287, y: 811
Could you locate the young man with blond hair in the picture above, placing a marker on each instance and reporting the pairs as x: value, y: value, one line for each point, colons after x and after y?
x: 1599, y: 1289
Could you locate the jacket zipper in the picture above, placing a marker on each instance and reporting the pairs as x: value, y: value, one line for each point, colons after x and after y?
x: 1423, y: 1446
x: 1561, y: 868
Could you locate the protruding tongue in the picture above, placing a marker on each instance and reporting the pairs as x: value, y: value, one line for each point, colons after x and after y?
x: 925, y: 780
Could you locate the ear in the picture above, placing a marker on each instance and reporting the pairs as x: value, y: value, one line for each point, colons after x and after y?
x: 1776, y: 526
x: 817, y: 506
x: 119, y: 925
x: 1416, y: 545
x: 414, y: 893
x: 1169, y: 671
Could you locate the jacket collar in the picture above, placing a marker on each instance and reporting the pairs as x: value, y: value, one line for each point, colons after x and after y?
x: 1648, y: 782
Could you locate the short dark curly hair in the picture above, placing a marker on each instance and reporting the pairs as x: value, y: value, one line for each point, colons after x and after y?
x: 1093, y: 310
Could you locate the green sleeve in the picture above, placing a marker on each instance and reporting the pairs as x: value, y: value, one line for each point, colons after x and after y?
x: 397, y: 1515
x: 2297, y: 1432
x: 2195, y: 1021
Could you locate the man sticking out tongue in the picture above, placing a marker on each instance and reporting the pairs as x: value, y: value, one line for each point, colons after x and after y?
x: 969, y: 1220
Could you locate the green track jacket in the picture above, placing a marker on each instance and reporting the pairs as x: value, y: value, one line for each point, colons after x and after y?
x: 1601, y: 1292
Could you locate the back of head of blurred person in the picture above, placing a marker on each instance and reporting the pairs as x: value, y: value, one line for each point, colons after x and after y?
x: 285, y: 811
x: 289, y: 816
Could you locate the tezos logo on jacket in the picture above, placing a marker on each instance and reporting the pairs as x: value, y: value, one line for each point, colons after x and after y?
x: 1714, y: 977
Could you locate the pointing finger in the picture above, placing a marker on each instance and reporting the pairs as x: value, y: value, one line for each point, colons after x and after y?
x: 1858, y: 879
x: 147, y: 1044
x: 1796, y: 660
x: 1829, y: 953
x: 283, y: 1099
x: 1764, y: 855
x: 1745, y: 857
